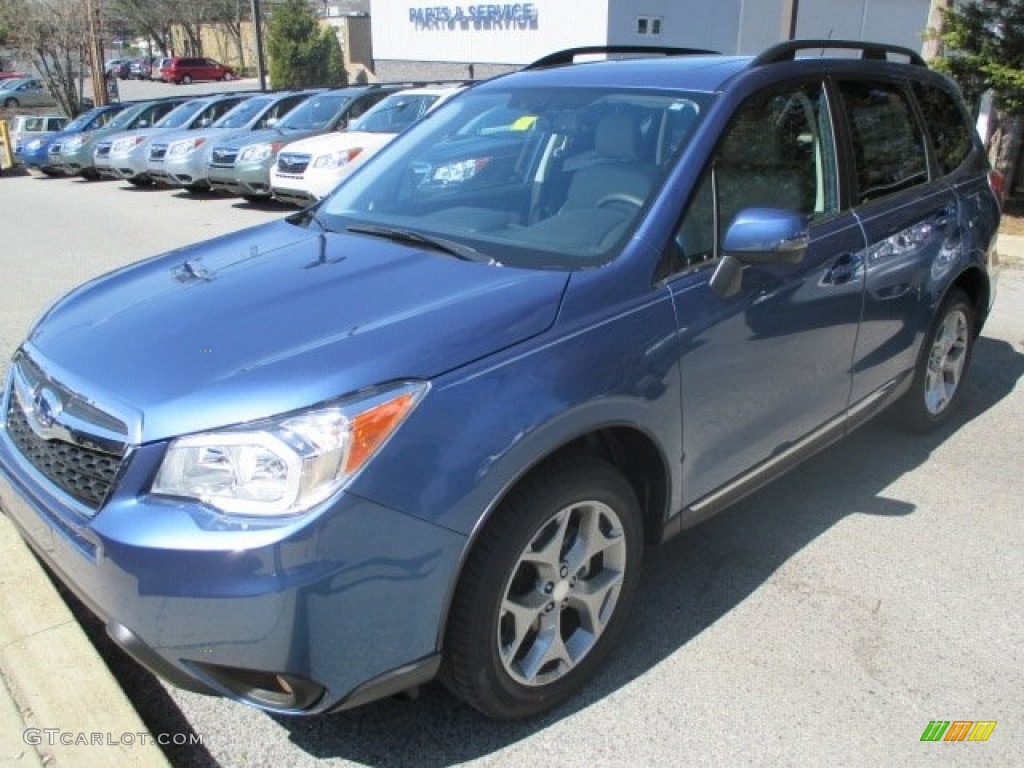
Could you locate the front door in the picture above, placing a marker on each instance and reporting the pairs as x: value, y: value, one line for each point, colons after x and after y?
x: 770, y: 365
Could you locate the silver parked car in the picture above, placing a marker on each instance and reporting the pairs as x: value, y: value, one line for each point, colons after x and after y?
x: 25, y: 92
x: 128, y: 157
x: 180, y: 158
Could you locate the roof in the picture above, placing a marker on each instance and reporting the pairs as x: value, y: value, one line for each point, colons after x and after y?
x: 695, y: 73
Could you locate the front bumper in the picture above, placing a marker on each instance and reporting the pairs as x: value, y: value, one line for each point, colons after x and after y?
x: 246, y: 179
x: 334, y: 609
x: 181, y: 171
x: 131, y: 165
x: 79, y: 161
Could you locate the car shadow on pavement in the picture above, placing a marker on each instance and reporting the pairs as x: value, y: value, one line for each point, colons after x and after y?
x: 269, y: 204
x: 688, y: 585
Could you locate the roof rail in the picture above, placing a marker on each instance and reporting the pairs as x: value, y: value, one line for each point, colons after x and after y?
x: 568, y: 56
x: 788, y: 50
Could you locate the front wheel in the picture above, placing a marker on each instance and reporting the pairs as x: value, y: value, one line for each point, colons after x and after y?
x: 10, y: 103
x: 941, y: 366
x: 546, y: 590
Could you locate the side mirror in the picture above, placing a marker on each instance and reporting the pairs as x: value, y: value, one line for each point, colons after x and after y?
x: 759, y: 236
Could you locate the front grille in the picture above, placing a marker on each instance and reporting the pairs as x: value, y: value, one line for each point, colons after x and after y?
x: 84, y: 474
x: 103, y: 149
x: 223, y: 156
x: 292, y: 162
x: 157, y: 151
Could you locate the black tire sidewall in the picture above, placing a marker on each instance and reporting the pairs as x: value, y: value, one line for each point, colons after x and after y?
x: 477, y: 609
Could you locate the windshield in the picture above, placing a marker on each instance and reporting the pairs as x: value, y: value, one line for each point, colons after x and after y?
x: 124, y: 119
x: 395, y: 113
x: 82, y: 120
x: 315, y: 113
x: 244, y: 113
x: 181, y: 114
x: 551, y: 177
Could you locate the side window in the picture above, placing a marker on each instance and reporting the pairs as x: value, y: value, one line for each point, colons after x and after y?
x: 888, y: 147
x: 778, y: 152
x: 950, y: 134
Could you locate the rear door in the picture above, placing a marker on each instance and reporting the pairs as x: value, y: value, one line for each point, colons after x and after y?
x: 770, y: 366
x: 909, y: 215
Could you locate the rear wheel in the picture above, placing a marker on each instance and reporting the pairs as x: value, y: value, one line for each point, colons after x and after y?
x: 186, y: 79
x: 546, y: 590
x: 941, y: 366
x: 10, y: 102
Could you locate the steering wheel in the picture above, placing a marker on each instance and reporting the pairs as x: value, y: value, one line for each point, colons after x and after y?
x: 619, y: 197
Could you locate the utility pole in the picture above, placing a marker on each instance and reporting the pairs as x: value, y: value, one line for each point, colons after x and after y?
x: 932, y: 46
x: 257, y: 23
x: 790, y: 10
x: 97, y: 74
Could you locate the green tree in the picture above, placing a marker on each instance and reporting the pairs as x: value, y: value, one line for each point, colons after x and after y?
x: 51, y: 35
x: 982, y: 47
x: 301, y: 52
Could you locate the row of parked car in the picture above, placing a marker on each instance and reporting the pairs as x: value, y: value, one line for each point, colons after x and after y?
x: 294, y: 146
x: 171, y: 69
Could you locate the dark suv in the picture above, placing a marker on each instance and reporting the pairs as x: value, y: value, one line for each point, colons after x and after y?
x: 428, y: 427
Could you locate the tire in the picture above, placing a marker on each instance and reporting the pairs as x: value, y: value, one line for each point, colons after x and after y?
x: 186, y: 79
x: 522, y: 635
x: 255, y: 198
x: 140, y: 181
x: 941, y: 366
x: 11, y: 103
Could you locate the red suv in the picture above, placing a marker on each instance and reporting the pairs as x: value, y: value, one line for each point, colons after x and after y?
x: 185, y: 69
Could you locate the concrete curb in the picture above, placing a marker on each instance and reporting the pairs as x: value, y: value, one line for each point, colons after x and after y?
x: 59, y: 704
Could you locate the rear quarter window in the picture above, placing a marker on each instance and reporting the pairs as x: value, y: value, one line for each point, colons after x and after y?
x: 947, y: 126
x: 888, y: 144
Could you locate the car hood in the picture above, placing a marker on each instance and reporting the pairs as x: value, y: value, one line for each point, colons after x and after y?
x: 208, y: 134
x: 332, y: 142
x: 237, y: 140
x: 277, y: 318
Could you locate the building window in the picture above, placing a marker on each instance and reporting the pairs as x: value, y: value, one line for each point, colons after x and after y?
x: 648, y: 25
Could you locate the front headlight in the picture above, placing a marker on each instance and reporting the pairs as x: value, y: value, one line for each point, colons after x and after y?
x: 286, y: 465
x: 74, y: 144
x: 125, y: 145
x: 179, y: 148
x: 258, y: 152
x: 34, y: 145
x: 337, y: 159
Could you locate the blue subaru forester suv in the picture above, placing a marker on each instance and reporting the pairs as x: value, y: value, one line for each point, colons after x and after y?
x: 427, y: 428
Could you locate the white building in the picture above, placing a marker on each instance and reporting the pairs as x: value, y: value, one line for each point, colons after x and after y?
x: 421, y: 39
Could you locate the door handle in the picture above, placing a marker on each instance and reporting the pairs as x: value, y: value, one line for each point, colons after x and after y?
x: 944, y: 215
x: 844, y: 269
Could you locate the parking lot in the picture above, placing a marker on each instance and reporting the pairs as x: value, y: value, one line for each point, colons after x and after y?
x: 825, y: 620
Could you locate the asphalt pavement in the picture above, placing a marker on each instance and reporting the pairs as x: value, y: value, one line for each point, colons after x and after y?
x: 825, y: 620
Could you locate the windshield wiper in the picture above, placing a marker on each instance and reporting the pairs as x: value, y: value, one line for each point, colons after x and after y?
x: 408, y: 237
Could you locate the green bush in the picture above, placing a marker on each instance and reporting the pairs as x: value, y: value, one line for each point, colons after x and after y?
x: 301, y: 52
